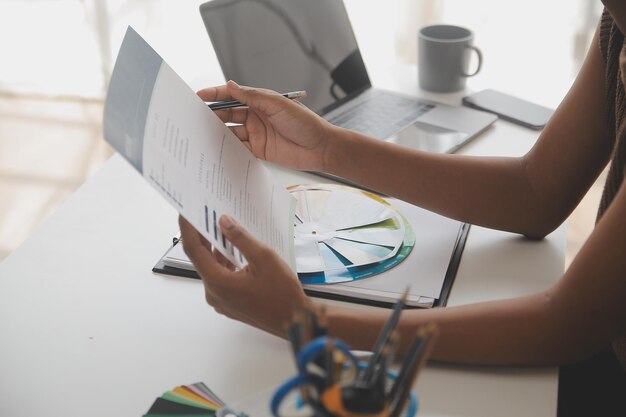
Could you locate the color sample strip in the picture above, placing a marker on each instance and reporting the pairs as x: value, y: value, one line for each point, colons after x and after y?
x: 348, y: 273
x: 308, y: 257
x: 346, y: 210
x: 163, y: 407
x: 195, y: 400
x: 201, y: 389
x: 374, y: 236
x: 190, y: 395
x: 182, y: 400
x: 338, y: 227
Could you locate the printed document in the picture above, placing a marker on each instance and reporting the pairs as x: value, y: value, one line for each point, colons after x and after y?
x: 189, y: 155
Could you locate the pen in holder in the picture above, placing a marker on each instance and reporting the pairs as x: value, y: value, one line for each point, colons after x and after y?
x: 332, y: 382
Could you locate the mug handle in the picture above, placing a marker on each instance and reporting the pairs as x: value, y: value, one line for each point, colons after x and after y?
x: 480, y: 61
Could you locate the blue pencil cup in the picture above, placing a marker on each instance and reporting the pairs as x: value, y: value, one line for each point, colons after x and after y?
x: 318, y: 391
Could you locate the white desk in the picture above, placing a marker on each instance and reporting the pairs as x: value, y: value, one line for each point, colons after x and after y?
x: 87, y: 329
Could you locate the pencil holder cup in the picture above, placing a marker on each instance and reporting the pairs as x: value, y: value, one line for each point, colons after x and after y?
x: 331, y: 382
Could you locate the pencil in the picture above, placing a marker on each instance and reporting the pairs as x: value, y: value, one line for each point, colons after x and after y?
x: 366, y: 374
x: 320, y: 322
x: 293, y: 335
x: 416, y: 358
x: 220, y: 105
x: 329, y: 364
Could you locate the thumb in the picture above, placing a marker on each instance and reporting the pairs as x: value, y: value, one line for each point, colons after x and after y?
x: 247, y: 244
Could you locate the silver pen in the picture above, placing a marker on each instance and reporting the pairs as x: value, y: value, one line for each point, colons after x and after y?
x: 219, y: 105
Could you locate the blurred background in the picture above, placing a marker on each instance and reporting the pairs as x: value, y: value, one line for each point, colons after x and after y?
x: 56, y: 57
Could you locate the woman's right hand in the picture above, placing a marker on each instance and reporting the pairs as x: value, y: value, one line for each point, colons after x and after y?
x: 275, y: 128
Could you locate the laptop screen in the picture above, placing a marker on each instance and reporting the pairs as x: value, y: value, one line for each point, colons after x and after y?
x: 288, y: 45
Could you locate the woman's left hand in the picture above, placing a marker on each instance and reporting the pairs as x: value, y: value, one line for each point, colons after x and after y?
x: 263, y: 294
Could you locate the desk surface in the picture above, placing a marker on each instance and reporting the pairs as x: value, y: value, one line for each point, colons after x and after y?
x: 87, y: 329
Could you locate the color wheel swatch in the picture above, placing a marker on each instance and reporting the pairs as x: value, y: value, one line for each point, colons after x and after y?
x: 190, y: 400
x: 343, y: 234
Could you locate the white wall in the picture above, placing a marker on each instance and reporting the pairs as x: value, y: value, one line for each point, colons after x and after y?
x: 532, y: 48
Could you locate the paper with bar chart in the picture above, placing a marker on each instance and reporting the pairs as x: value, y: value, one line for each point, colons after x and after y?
x: 189, y: 156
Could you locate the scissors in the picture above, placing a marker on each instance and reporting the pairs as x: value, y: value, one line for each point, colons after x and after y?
x: 310, y: 380
x: 356, y: 400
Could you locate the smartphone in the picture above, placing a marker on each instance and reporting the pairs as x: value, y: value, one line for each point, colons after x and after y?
x: 510, y: 108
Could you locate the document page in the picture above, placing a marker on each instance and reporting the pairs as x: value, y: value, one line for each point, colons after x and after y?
x: 189, y: 156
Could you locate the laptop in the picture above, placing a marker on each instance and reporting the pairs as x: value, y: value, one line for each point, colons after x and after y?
x: 290, y: 45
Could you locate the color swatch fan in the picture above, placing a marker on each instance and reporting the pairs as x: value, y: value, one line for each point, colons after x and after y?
x: 191, y: 400
x: 343, y: 234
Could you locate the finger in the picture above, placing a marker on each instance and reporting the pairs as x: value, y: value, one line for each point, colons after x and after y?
x: 252, y: 249
x: 217, y: 93
x: 265, y: 101
x: 192, y: 240
x: 241, y: 132
x: 221, y: 259
x: 199, y: 252
x: 234, y: 115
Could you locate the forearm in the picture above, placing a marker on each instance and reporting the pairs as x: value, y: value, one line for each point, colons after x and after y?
x: 491, y: 192
x: 581, y: 314
x: 531, y: 195
x: 508, y: 332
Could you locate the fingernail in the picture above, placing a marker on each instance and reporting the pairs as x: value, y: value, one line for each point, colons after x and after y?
x: 227, y: 222
x: 234, y: 85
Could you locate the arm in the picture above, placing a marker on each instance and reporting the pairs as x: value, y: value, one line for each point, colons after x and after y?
x: 583, y: 312
x: 565, y: 323
x: 530, y: 195
x: 578, y: 316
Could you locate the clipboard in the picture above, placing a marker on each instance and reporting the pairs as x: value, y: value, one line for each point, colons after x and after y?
x: 358, y: 297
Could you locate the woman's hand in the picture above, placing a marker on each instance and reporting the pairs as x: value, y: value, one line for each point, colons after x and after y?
x: 275, y: 128
x: 263, y: 294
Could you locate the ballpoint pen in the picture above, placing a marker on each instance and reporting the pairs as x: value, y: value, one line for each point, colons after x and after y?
x: 220, y: 105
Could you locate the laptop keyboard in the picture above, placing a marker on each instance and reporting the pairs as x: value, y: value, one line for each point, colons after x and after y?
x: 381, y: 115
